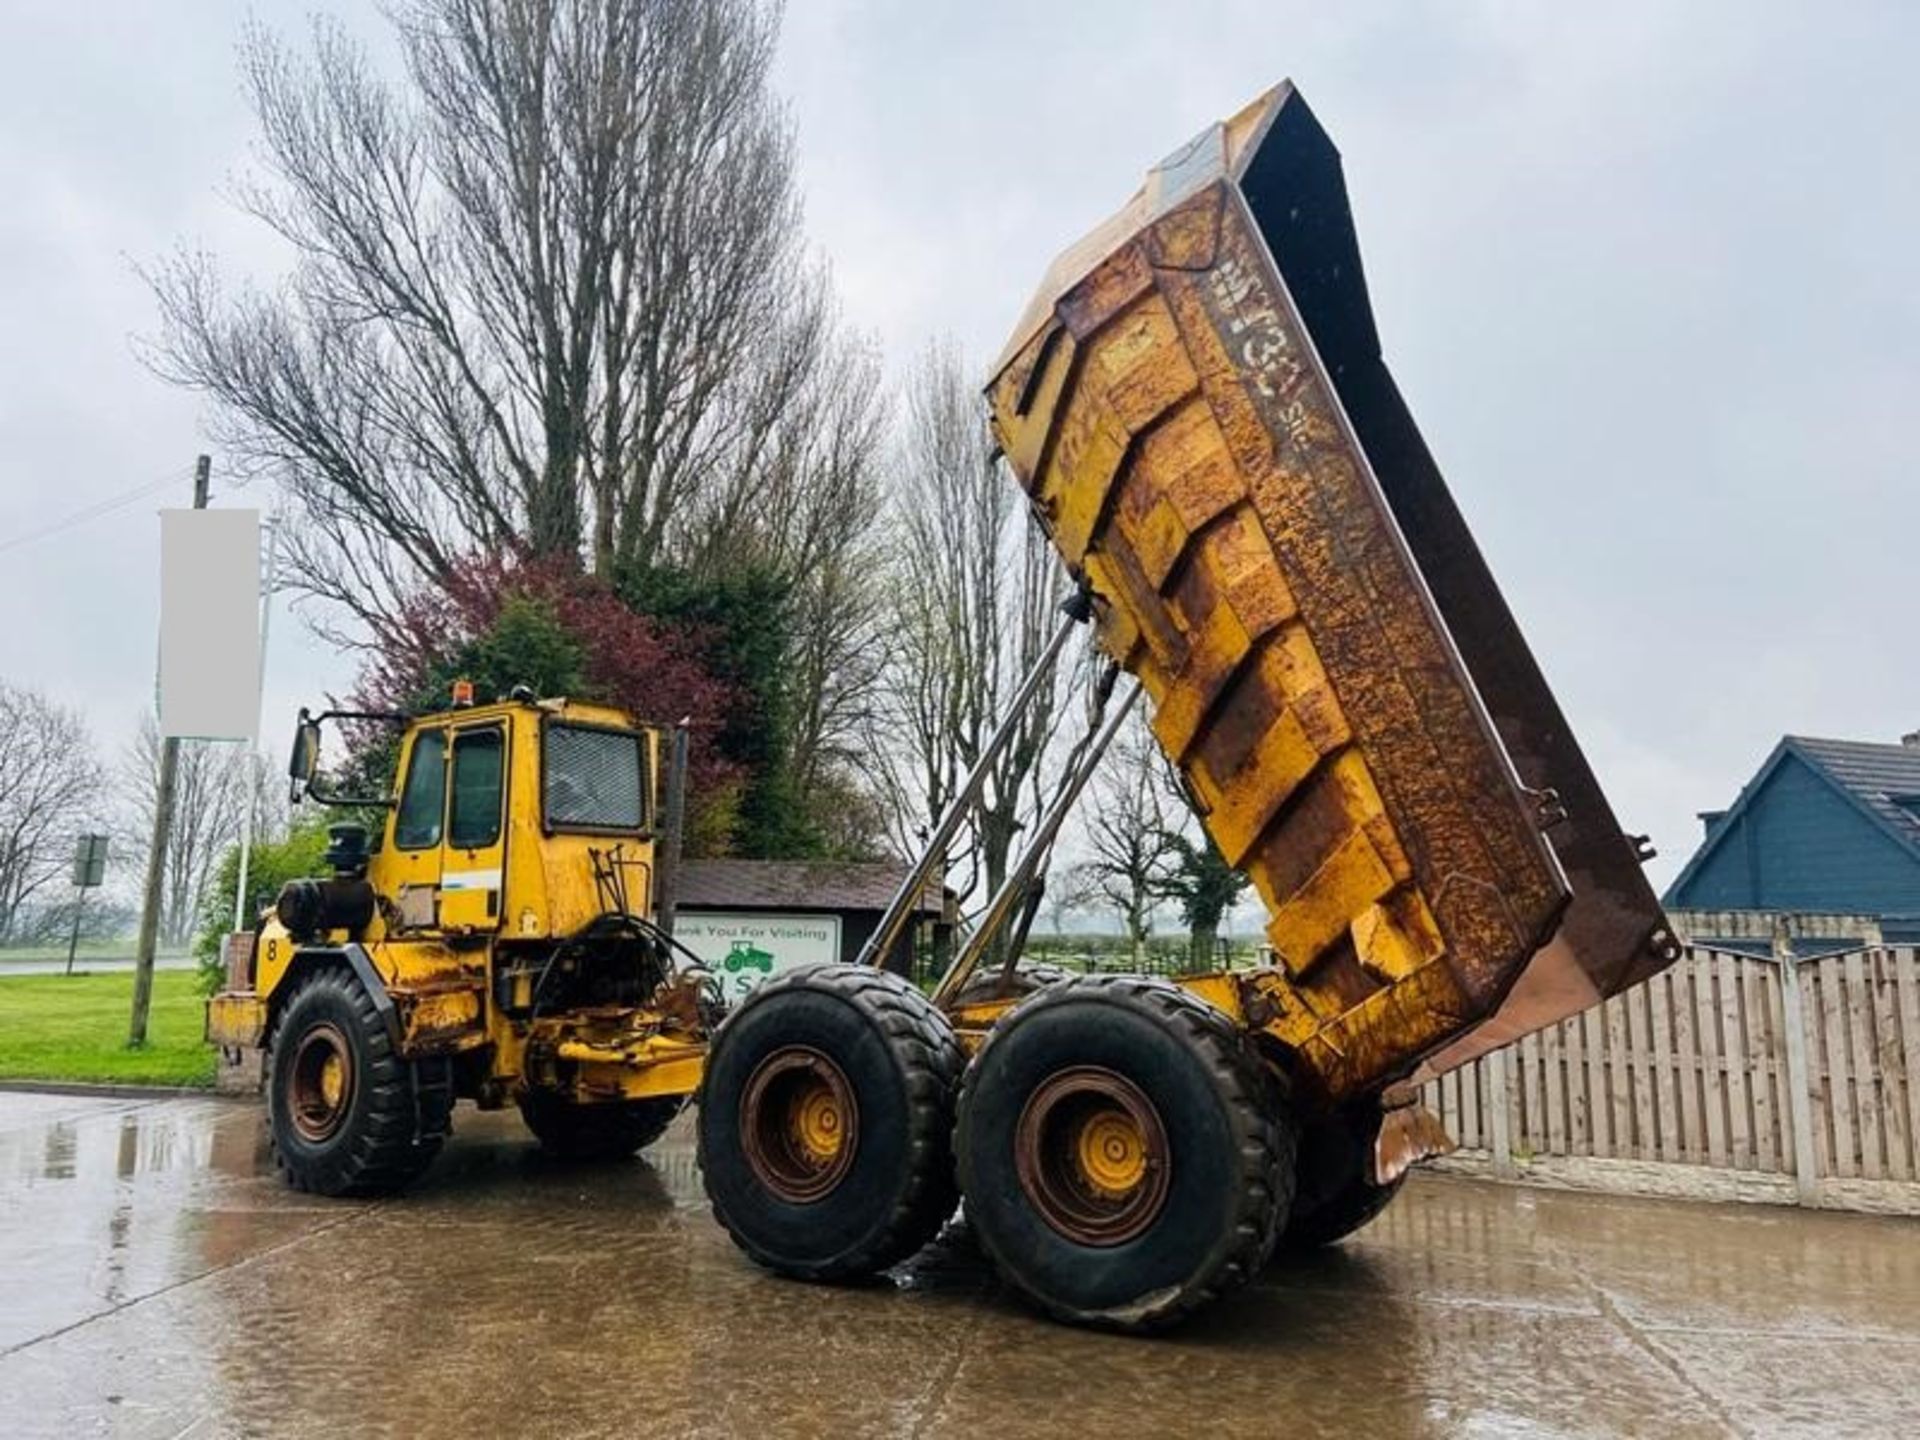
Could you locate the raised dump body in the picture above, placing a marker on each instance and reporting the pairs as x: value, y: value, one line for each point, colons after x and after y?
x: 1197, y: 405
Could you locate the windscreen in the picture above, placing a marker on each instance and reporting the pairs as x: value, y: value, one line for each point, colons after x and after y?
x: 594, y: 779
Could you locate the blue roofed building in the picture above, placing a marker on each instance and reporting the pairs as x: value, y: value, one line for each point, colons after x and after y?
x: 1826, y: 827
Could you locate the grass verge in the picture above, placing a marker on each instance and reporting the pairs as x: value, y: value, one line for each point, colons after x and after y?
x: 74, y: 1027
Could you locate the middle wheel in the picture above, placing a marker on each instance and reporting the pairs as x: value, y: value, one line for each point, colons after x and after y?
x: 1123, y: 1157
x: 825, y: 1123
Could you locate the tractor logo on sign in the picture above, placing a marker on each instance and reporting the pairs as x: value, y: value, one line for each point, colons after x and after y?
x: 745, y: 955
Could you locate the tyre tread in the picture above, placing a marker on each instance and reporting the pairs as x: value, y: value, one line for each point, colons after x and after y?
x: 1029, y: 978
x: 925, y: 1048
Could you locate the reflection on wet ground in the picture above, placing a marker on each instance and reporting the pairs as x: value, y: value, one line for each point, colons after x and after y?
x: 157, y: 1279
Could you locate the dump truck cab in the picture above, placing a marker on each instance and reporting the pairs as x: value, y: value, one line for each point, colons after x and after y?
x: 496, y: 943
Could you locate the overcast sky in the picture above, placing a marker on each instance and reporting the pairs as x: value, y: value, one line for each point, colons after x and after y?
x: 1646, y: 278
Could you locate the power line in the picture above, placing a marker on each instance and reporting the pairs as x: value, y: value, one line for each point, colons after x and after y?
x: 94, y: 511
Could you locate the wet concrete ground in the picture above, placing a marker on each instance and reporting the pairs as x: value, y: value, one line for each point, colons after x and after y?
x: 157, y: 1279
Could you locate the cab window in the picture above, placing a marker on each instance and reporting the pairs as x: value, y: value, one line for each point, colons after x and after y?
x: 594, y: 779
x: 474, y: 821
x: 424, y: 795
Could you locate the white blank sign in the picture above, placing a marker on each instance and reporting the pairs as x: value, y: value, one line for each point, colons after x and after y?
x: 210, y: 624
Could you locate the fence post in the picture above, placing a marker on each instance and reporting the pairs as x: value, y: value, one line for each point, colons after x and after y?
x: 1799, y: 1097
x: 1499, y: 1135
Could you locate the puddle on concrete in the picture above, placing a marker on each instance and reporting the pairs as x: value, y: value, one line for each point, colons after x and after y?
x: 156, y: 1275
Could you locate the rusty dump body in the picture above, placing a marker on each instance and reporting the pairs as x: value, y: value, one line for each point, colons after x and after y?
x: 1197, y: 406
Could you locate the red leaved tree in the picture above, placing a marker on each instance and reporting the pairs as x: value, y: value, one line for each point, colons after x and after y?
x: 506, y: 621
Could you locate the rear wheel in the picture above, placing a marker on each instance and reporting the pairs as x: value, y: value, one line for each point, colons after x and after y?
x: 825, y: 1121
x: 1124, y: 1158
x: 1028, y: 977
x: 1336, y: 1195
x: 608, y: 1130
x: 347, y: 1114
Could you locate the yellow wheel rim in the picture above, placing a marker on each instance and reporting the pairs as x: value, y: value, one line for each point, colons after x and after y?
x: 333, y: 1081
x: 1092, y: 1156
x: 319, y: 1082
x: 1112, y: 1153
x: 817, y: 1123
x: 799, y: 1124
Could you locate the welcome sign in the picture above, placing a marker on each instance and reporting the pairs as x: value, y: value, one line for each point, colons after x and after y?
x: 745, y: 949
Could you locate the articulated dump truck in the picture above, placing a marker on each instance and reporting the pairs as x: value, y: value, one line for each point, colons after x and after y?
x: 1196, y: 405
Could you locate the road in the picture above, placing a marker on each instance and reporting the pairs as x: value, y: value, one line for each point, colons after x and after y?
x: 39, y: 964
x: 157, y: 1280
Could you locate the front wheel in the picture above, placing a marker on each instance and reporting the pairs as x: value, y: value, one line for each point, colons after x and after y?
x: 609, y: 1130
x: 348, y: 1115
x: 825, y: 1120
x: 1123, y: 1156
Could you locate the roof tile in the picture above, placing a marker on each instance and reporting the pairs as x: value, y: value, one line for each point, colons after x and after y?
x: 796, y: 885
x: 1878, y: 776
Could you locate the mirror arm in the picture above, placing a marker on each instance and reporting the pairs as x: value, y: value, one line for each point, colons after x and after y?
x: 317, y: 790
x: 312, y: 787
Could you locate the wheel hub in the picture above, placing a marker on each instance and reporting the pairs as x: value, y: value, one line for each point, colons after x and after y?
x: 799, y: 1123
x: 1112, y: 1152
x: 1092, y: 1156
x: 320, y: 1082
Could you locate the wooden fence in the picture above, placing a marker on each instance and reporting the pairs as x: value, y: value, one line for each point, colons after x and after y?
x: 1777, y: 1078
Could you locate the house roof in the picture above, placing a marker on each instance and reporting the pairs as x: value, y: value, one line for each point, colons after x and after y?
x: 1874, y: 778
x: 1877, y: 777
x: 796, y: 885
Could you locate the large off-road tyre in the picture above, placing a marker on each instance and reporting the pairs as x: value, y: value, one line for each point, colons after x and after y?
x: 1336, y: 1194
x: 826, y: 1119
x: 609, y: 1130
x: 1029, y: 977
x: 349, y: 1116
x: 1124, y: 1157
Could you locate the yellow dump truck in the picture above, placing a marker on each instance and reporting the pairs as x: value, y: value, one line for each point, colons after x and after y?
x: 1196, y: 404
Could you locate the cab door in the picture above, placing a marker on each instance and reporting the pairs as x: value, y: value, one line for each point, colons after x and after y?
x: 472, y: 871
x: 411, y: 862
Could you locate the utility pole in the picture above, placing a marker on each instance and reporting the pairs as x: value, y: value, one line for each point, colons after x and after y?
x: 162, y: 826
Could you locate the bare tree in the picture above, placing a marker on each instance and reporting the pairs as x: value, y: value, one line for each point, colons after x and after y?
x: 807, y: 510
x: 51, y: 922
x: 49, y: 790
x: 1132, y: 854
x: 1065, y: 895
x: 549, y: 295
x: 974, y: 585
x: 211, y: 787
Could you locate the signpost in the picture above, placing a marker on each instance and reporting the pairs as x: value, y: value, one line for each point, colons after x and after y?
x: 89, y: 869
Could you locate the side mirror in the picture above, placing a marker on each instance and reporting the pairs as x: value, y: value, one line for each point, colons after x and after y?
x: 305, y: 762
